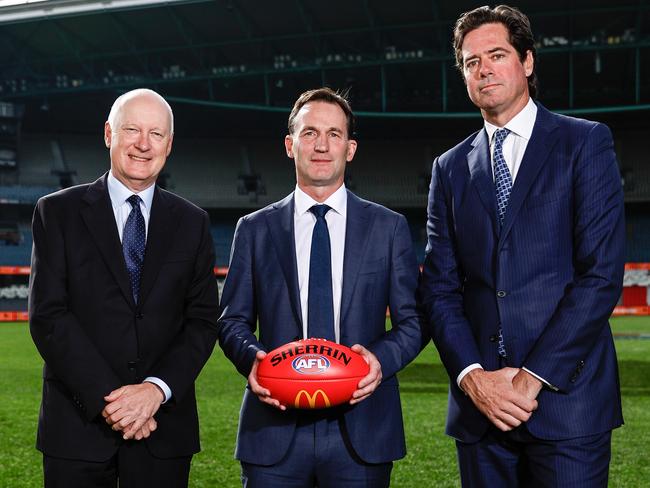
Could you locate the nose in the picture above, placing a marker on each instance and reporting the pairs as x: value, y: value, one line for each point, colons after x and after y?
x: 485, y: 68
x: 322, y: 143
x: 142, y: 143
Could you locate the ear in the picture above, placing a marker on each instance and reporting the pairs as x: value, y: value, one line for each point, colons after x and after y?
x: 529, y: 63
x: 107, y: 134
x: 352, y: 149
x: 288, y: 145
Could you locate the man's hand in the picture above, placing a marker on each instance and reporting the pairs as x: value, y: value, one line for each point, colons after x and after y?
x: 495, y: 396
x: 146, y: 430
x: 371, y: 381
x: 262, y: 393
x: 131, y: 406
x: 526, y: 384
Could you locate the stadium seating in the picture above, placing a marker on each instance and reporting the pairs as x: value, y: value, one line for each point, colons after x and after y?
x: 37, y: 162
x: 638, y: 238
x: 23, y: 194
x: 17, y: 255
x: 222, y: 235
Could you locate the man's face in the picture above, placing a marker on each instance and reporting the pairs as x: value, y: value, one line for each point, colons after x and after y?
x: 140, y: 141
x: 494, y: 75
x: 319, y: 145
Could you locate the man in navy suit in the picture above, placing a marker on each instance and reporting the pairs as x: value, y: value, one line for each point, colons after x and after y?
x: 370, y: 264
x: 524, y: 265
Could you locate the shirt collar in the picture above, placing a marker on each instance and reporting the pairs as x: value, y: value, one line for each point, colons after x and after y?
x: 119, y: 193
x: 521, y: 124
x: 337, y: 201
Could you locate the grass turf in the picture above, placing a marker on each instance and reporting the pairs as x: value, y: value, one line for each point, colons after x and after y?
x: 431, y: 459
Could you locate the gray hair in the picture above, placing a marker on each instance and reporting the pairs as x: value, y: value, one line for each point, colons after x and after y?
x: 125, y: 97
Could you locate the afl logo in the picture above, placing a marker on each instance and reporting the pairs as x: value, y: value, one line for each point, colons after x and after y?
x: 310, y: 364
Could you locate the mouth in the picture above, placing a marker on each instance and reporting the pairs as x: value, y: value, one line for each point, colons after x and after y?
x: 488, y: 87
x: 139, y: 159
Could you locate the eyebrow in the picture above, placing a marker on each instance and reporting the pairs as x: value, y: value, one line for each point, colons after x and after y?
x: 498, y: 48
x: 134, y: 124
x: 489, y: 51
x: 311, y: 127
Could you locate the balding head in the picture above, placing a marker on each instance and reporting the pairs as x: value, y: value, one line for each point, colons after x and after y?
x: 119, y: 102
x: 139, y: 134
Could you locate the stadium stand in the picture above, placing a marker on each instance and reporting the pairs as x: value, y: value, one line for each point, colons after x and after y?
x: 85, y: 154
x: 638, y: 237
x: 17, y: 253
x: 37, y: 162
x: 222, y: 235
x: 206, y: 172
x: 632, y: 152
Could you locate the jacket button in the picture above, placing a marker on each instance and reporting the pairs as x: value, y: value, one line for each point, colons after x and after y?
x: 131, y: 365
x: 493, y: 338
x: 139, y: 316
x: 501, y: 293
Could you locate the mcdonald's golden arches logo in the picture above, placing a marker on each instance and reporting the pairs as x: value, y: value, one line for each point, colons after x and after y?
x: 311, y: 399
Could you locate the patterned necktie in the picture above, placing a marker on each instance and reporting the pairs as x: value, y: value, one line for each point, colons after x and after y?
x: 502, y: 177
x: 320, y: 308
x: 134, y: 240
x: 503, y: 187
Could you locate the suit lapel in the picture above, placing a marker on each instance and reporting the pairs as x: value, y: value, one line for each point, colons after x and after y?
x: 357, y: 235
x: 480, y: 169
x: 99, y: 218
x: 162, y: 221
x: 279, y: 220
x: 540, y: 146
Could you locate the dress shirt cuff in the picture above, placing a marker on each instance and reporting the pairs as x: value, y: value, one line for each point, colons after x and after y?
x: 464, y: 372
x: 546, y: 383
x: 161, y: 384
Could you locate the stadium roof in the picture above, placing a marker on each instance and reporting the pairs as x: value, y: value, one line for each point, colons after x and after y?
x: 396, y: 59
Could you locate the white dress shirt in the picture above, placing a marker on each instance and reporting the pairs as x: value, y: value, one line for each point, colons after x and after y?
x: 514, y: 147
x: 119, y: 194
x: 304, y: 222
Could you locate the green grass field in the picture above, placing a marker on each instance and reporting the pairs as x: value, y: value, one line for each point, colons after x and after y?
x: 431, y: 459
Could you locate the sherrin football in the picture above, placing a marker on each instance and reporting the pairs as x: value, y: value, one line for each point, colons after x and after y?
x: 312, y: 373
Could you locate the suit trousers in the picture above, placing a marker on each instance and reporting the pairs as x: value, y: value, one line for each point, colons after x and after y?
x: 518, y: 459
x: 132, y: 465
x: 319, y: 456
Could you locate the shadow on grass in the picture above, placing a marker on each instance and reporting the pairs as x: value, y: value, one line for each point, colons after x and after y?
x: 423, y: 378
x: 635, y: 377
x: 432, y: 378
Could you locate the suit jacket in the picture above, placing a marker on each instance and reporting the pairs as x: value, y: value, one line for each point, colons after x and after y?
x: 550, y: 276
x: 95, y: 338
x: 379, y: 270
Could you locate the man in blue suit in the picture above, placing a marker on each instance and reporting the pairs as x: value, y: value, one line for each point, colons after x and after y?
x: 325, y: 263
x: 524, y: 265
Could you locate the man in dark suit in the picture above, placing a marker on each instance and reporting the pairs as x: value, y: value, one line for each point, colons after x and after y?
x: 280, y: 278
x: 123, y: 307
x: 523, y: 268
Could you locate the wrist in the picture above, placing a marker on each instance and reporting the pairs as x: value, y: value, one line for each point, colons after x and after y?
x: 469, y: 380
x: 158, y: 389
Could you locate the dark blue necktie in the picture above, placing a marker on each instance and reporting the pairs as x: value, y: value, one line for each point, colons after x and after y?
x: 503, y: 187
x: 502, y: 177
x: 320, y: 308
x: 134, y: 240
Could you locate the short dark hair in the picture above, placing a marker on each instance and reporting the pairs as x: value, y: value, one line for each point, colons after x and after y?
x: 323, y: 94
x: 519, y: 32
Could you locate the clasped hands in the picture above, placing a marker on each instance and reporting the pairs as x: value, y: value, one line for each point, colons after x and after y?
x: 507, y: 397
x: 130, y: 410
x: 365, y: 388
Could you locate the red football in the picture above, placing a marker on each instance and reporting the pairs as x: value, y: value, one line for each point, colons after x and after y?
x: 312, y: 373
